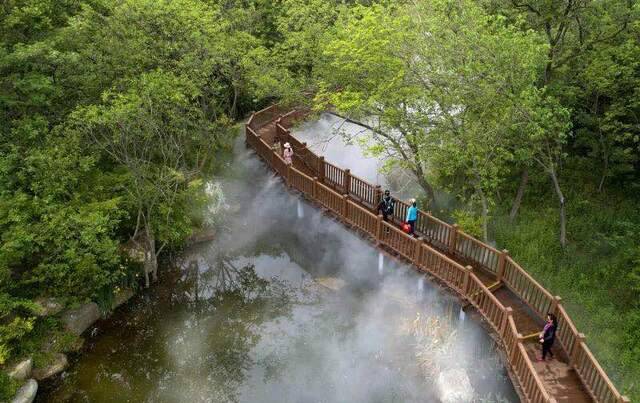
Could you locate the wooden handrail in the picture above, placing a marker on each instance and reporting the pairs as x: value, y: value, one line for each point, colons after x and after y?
x: 427, y: 257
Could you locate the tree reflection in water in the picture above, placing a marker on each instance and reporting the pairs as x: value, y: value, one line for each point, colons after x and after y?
x: 224, y: 308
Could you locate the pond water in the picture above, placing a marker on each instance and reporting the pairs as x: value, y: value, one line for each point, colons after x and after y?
x: 286, y: 305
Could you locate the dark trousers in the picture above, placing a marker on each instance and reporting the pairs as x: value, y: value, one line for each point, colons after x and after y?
x: 412, y: 224
x: 546, y: 348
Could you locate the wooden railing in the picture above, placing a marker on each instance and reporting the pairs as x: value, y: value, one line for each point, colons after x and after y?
x: 355, y: 200
x: 528, y: 289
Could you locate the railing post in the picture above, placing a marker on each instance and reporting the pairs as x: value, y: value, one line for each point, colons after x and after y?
x: 554, y: 304
x: 378, y: 228
x: 377, y: 198
x: 345, y: 206
x: 303, y: 149
x: 467, y: 279
x: 314, y: 188
x: 502, y: 259
x: 508, y: 311
x: 519, y: 339
x: 580, y: 338
x: 321, y: 168
x: 347, y: 181
x: 453, y: 234
x: 417, y: 251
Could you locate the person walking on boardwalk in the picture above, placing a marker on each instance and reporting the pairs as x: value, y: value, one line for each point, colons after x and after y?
x: 386, y: 205
x: 287, y: 154
x: 548, y: 335
x: 412, y: 215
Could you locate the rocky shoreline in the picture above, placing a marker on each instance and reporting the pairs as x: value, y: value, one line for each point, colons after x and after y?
x: 75, y: 321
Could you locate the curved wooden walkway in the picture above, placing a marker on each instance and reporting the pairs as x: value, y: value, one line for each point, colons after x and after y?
x: 511, y: 302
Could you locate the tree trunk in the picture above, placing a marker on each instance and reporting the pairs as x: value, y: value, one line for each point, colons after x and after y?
x: 605, y: 168
x: 524, y: 178
x: 428, y: 189
x: 234, y: 104
x: 562, y: 201
x: 150, y: 257
x: 485, y: 218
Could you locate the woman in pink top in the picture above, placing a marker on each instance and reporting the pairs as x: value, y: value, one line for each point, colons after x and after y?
x: 287, y: 154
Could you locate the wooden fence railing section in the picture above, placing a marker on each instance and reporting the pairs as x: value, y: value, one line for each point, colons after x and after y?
x: 355, y: 200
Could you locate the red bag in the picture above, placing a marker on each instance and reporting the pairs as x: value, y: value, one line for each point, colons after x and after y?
x: 405, y: 227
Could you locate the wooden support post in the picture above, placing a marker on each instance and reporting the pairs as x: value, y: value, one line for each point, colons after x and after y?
x: 502, y: 260
x: 345, y: 207
x: 453, y: 234
x: 379, y: 229
x: 377, y: 198
x: 554, y: 304
x: 347, y: 181
x: 504, y: 327
x: 519, y: 339
x: 321, y: 168
x: 417, y: 252
x: 301, y: 153
x: 576, y: 349
x: 467, y: 280
x: 314, y: 188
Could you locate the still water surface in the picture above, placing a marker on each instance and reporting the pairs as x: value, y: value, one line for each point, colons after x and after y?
x: 286, y: 305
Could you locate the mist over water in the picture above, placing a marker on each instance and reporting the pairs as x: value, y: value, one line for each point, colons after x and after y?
x: 344, y: 144
x: 285, y: 305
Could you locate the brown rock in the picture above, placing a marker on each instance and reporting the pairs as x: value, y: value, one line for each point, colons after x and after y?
x: 22, y: 370
x: 58, y: 365
x: 78, y: 320
x: 27, y: 393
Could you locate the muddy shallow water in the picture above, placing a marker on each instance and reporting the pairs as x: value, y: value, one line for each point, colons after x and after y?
x: 286, y: 305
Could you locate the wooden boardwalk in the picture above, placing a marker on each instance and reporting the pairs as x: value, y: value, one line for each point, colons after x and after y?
x: 511, y: 302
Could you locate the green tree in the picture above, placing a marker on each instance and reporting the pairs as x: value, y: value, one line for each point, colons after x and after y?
x: 160, y: 136
x: 444, y: 84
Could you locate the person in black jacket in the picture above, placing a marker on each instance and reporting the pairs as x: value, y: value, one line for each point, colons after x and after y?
x: 386, y: 205
x: 548, y: 335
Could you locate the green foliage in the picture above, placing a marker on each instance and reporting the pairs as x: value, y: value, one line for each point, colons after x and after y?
x: 16, y: 320
x: 596, y: 275
x: 8, y: 387
x: 115, y: 112
x: 166, y: 77
x: 468, y: 222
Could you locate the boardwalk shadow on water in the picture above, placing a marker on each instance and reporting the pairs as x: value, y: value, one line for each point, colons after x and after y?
x: 285, y: 306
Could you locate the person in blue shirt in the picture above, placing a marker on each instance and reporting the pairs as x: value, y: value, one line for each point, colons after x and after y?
x: 412, y: 215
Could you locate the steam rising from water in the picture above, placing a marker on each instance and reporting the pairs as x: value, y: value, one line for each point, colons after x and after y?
x: 247, y: 318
